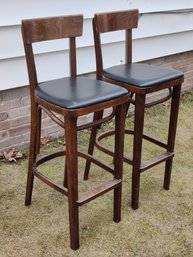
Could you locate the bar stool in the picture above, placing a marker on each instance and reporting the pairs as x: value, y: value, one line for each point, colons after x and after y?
x: 140, y: 80
x: 71, y: 97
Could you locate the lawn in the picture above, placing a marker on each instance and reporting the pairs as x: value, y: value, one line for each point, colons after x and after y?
x: 161, y: 227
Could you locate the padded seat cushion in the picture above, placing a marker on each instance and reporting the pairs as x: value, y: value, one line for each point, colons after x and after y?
x: 74, y: 93
x: 141, y: 75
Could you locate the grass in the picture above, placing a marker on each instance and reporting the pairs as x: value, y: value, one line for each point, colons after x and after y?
x: 161, y: 227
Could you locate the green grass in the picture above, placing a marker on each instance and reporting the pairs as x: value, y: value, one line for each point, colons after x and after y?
x: 161, y: 227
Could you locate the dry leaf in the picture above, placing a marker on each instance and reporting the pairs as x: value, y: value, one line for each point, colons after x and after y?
x: 166, y: 103
x: 18, y: 155
x: 45, y: 140
x: 9, y: 154
x: 61, y: 142
x: 12, y: 159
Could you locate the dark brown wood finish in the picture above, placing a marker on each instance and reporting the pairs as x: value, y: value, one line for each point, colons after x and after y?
x: 36, y: 30
x: 127, y: 20
x: 113, y: 21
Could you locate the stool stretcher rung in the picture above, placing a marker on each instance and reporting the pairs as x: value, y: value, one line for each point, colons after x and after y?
x: 156, y: 160
x: 50, y: 182
x: 98, y: 191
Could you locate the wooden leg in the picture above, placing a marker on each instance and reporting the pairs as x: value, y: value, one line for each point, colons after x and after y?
x: 72, y: 179
x: 172, y: 133
x: 38, y: 136
x: 32, y: 156
x: 118, y: 160
x: 65, y: 183
x: 167, y: 176
x: 137, y: 148
x: 94, y: 129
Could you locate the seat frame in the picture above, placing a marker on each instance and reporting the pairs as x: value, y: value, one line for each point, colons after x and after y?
x: 51, y: 28
x: 128, y: 20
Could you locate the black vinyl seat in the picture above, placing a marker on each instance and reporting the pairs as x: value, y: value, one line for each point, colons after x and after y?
x: 141, y: 75
x: 77, y: 92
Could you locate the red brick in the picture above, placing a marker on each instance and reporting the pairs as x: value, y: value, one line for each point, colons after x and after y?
x: 4, y: 125
x: 3, y: 116
x: 3, y: 135
x: 19, y: 130
x: 9, y: 142
x: 17, y: 112
x: 20, y: 121
x: 15, y: 93
x: 26, y: 137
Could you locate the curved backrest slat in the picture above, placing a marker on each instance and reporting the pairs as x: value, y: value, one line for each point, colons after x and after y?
x: 52, y: 28
x: 119, y: 20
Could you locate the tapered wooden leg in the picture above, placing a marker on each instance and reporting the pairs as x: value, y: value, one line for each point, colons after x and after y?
x: 32, y: 155
x: 38, y: 136
x: 93, y: 134
x: 118, y: 159
x: 65, y: 184
x: 137, y: 148
x: 167, y: 176
x: 72, y: 179
x: 172, y: 133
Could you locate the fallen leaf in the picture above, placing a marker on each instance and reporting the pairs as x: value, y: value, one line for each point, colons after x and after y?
x: 12, y: 159
x: 46, y: 140
x: 61, y: 142
x: 166, y: 103
x: 9, y: 154
x: 18, y: 155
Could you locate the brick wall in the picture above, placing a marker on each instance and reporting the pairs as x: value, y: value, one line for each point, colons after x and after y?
x: 182, y: 62
x: 15, y: 106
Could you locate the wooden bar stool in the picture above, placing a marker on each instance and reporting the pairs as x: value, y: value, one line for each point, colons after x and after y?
x: 71, y: 97
x: 139, y: 80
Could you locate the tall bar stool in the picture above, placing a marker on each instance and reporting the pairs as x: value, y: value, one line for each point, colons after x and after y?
x: 71, y: 97
x: 139, y: 80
